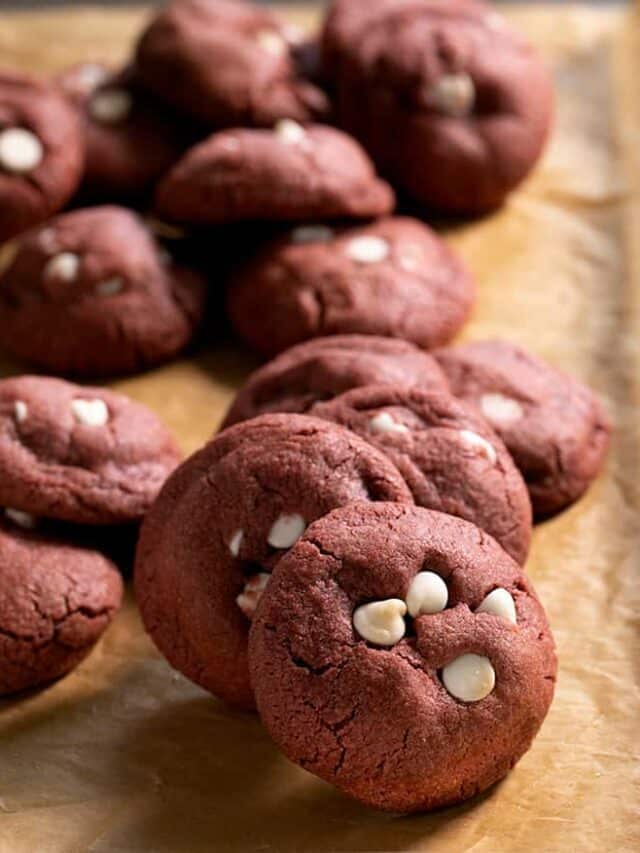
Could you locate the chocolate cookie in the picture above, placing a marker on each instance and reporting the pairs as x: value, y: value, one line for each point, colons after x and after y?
x: 450, y: 458
x: 225, y: 518
x: 92, y: 294
x: 56, y: 600
x: 41, y: 152
x: 554, y: 427
x: 394, y: 277
x: 86, y: 455
x: 289, y: 173
x: 321, y: 368
x: 226, y: 63
x: 131, y: 138
x: 452, y: 104
x: 401, y: 655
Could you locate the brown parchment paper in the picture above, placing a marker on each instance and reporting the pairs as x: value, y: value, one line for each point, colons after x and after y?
x: 125, y: 755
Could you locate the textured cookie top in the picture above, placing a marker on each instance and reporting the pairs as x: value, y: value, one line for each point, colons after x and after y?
x: 393, y: 277
x: 225, y: 517
x: 226, y: 63
x: 287, y: 173
x: 91, y: 293
x: 321, y: 368
x: 385, y: 661
x: 80, y: 454
x: 449, y: 456
x: 41, y: 152
x: 554, y: 427
x: 55, y: 601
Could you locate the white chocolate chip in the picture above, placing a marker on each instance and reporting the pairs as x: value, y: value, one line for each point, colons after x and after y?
x: 312, y: 234
x: 453, y: 94
x: 20, y: 150
x: 499, y: 602
x: 381, y: 622
x: 22, y: 519
x: 469, y: 677
x: 93, y: 413
x: 290, y: 132
x: 20, y: 411
x: 500, y: 410
x: 110, y: 287
x: 90, y: 76
x: 248, y: 599
x: 383, y: 422
x: 286, y: 530
x: 63, y: 267
x: 428, y: 593
x: 111, y: 106
x: 410, y: 256
x: 367, y: 249
x: 473, y: 441
x: 272, y: 42
x: 235, y: 542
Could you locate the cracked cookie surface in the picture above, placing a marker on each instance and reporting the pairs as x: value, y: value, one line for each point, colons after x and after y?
x: 225, y: 518
x: 451, y: 459
x: 91, y: 294
x: 384, y: 723
x: 56, y: 600
x: 79, y: 454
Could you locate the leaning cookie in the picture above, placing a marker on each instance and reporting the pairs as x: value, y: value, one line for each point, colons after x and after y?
x: 226, y: 64
x: 394, y: 277
x: 56, y: 601
x: 225, y: 518
x: 322, y: 368
x: 451, y: 103
x: 401, y: 655
x: 449, y: 456
x: 41, y: 152
x: 92, y: 294
x: 79, y: 454
x: 554, y: 427
x: 131, y: 139
x: 290, y: 173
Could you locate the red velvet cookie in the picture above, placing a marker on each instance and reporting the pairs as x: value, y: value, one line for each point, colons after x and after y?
x: 554, y: 427
x: 226, y: 63
x: 225, y: 518
x: 92, y: 294
x: 131, y: 138
x: 450, y: 458
x: 451, y: 103
x: 401, y: 655
x: 322, y: 368
x: 41, y: 152
x: 289, y: 173
x: 73, y: 453
x: 394, y: 277
x: 56, y: 600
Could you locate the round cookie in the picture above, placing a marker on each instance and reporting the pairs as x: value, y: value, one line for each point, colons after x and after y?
x: 225, y: 518
x: 79, y: 454
x: 451, y: 103
x: 450, y: 458
x: 131, y: 139
x: 289, y: 173
x: 394, y: 277
x: 41, y: 152
x: 226, y: 64
x: 56, y: 601
x: 401, y: 655
x: 92, y: 294
x: 555, y: 428
x: 321, y: 368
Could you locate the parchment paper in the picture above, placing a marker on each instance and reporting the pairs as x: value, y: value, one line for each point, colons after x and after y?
x: 125, y: 755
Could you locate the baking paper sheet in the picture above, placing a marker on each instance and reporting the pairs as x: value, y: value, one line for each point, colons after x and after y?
x: 125, y: 755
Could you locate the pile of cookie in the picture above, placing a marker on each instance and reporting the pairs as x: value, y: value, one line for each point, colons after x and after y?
x: 346, y: 555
